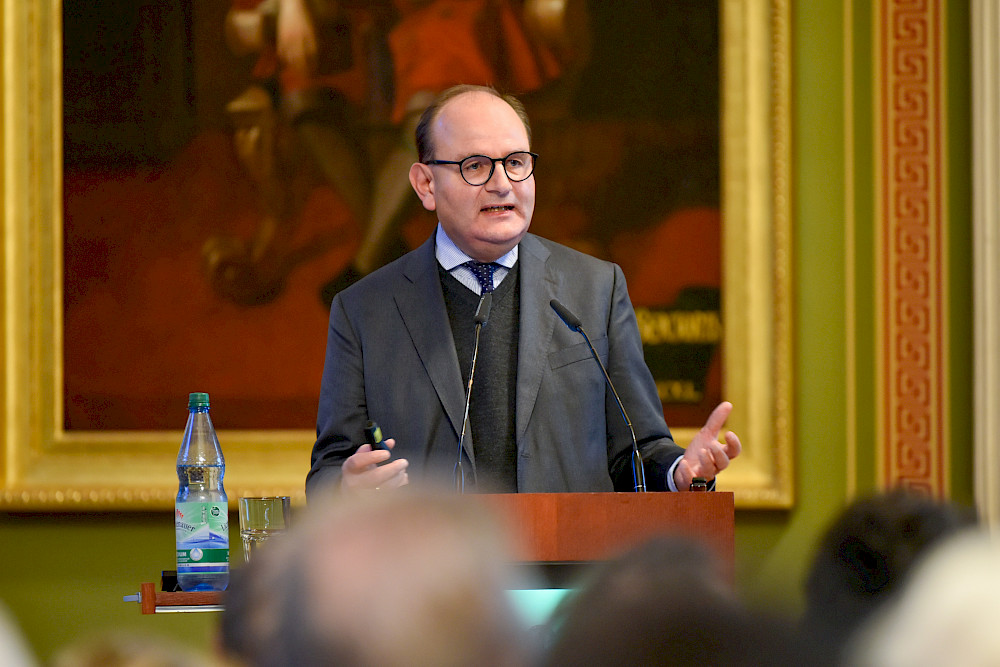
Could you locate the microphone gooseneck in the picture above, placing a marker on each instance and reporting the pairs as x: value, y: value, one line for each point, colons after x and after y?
x: 574, y: 323
x: 481, y: 318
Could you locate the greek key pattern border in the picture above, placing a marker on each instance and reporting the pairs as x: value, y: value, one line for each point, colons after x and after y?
x: 910, y: 266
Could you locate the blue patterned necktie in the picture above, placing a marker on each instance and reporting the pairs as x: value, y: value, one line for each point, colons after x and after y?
x: 484, y: 273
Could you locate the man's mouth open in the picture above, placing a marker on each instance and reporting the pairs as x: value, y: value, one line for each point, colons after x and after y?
x: 497, y: 209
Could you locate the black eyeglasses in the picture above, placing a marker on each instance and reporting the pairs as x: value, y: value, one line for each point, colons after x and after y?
x: 478, y: 169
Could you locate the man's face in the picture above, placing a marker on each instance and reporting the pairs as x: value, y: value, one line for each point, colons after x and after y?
x: 485, y: 221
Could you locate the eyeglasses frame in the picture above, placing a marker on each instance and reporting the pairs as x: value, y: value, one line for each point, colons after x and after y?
x: 493, y: 166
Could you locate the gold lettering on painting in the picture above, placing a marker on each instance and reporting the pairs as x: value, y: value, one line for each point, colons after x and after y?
x: 678, y: 391
x: 678, y: 326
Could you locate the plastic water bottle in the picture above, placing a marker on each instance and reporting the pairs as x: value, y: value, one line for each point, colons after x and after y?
x: 201, y: 515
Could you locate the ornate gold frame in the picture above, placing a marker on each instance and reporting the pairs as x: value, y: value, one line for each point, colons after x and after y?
x: 46, y: 467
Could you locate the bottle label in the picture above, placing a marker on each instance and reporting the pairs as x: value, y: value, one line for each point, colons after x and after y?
x: 202, y: 537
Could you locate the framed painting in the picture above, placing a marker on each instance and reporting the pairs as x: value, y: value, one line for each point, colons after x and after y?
x: 161, y: 234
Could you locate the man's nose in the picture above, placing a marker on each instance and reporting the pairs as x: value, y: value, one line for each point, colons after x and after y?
x: 498, y: 180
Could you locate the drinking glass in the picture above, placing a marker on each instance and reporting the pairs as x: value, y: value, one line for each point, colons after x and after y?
x: 262, y: 519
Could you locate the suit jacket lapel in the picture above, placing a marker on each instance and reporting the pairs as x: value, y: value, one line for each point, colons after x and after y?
x: 421, y: 305
x: 538, y: 287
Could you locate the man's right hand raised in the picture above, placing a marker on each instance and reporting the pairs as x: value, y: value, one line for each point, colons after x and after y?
x: 361, y: 470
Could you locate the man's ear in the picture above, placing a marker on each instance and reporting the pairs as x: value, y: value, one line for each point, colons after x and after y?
x: 422, y: 181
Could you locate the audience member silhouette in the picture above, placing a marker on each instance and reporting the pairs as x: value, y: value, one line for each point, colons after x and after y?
x: 660, y: 605
x: 123, y: 649
x: 866, y: 554
x: 403, y: 578
x: 945, y: 613
x: 14, y: 650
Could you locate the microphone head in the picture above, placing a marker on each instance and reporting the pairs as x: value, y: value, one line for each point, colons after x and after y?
x: 483, y: 310
x: 568, y: 318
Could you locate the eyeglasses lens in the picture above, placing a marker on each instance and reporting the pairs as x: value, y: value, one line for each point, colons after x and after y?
x: 478, y: 169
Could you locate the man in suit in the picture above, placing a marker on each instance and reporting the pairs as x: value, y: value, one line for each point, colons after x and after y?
x: 541, y: 418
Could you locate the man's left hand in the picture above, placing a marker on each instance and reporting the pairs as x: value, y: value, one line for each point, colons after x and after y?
x: 706, y: 456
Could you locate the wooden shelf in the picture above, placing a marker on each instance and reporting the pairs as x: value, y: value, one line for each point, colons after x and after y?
x: 152, y: 601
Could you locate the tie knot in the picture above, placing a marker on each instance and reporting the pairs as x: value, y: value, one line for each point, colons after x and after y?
x: 484, y: 273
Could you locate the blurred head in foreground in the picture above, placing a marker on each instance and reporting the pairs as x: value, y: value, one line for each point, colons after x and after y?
x: 124, y: 649
x: 946, y: 613
x: 399, y: 578
x: 668, y: 602
x: 867, y: 554
x: 14, y: 649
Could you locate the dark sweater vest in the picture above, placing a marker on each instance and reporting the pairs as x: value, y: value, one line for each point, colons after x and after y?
x: 494, y: 389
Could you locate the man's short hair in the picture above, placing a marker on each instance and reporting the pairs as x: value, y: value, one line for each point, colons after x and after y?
x: 425, y: 143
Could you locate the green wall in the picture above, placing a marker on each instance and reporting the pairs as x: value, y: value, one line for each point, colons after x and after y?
x: 63, y: 576
x: 960, y: 276
x: 834, y: 160
x: 773, y: 547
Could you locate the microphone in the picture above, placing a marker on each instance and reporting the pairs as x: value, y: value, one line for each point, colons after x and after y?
x: 483, y: 309
x: 482, y: 316
x: 574, y: 323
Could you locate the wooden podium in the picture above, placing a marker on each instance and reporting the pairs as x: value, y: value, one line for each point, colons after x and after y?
x: 556, y: 529
x: 586, y: 527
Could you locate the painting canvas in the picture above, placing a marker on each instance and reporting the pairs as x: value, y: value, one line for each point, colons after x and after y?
x: 144, y: 258
x: 215, y: 198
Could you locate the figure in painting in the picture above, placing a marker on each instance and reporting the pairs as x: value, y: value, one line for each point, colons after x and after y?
x: 341, y: 85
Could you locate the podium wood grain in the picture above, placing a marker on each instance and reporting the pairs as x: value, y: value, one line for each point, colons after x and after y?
x: 582, y: 527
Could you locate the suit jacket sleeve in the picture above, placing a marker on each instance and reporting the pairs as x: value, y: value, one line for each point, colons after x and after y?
x: 637, y: 389
x: 342, y: 413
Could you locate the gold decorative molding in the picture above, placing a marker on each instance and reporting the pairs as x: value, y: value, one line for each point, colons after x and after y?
x: 756, y: 255
x: 44, y: 466
x: 911, y: 251
x: 986, y: 254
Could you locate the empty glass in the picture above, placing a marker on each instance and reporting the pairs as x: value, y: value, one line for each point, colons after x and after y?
x: 262, y: 519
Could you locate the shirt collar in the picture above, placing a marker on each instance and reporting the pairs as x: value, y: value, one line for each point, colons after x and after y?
x: 449, y: 255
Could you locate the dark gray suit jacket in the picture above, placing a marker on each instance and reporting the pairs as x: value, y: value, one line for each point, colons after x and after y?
x: 391, y: 357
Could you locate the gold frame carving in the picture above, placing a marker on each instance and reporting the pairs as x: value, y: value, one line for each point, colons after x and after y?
x: 44, y: 467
